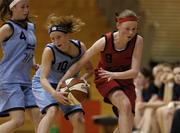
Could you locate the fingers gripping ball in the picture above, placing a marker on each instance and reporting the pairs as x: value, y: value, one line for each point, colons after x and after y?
x: 77, y: 90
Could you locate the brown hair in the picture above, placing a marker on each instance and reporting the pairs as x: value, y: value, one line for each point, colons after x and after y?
x: 5, y: 12
x: 71, y: 23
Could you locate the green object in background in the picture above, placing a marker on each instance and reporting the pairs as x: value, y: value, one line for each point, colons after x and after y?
x: 54, y: 129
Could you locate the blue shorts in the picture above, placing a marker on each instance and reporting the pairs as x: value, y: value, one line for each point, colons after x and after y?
x: 15, y: 97
x: 45, y: 100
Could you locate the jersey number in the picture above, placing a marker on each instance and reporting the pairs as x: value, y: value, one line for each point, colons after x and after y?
x: 62, y: 66
x: 22, y: 36
x: 108, y: 58
x: 28, y: 57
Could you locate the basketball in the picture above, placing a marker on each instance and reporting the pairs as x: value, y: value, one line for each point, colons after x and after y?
x: 77, y: 90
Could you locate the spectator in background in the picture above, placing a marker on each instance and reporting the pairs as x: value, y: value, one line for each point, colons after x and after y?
x: 165, y: 113
x: 144, y: 91
x: 147, y: 123
x: 175, y: 128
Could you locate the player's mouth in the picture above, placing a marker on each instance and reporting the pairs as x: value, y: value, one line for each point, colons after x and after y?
x: 26, y: 14
x: 59, y: 45
x: 129, y: 37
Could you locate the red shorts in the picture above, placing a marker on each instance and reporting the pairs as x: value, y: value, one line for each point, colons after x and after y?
x: 127, y: 86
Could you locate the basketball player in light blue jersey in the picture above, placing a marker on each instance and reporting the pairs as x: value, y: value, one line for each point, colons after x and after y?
x: 57, y: 57
x: 18, y: 43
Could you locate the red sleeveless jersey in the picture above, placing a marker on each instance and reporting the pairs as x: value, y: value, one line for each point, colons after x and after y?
x: 116, y: 60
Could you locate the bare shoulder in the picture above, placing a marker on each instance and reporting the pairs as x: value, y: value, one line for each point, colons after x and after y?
x: 139, y: 39
x: 100, y: 44
x: 47, y: 54
x: 5, y: 27
x: 102, y: 40
x: 5, y: 32
x: 83, y: 46
x: 47, y: 50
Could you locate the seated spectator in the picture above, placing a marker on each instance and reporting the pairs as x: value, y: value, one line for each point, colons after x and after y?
x: 143, y: 90
x: 165, y: 113
x: 148, y: 121
x: 175, y: 128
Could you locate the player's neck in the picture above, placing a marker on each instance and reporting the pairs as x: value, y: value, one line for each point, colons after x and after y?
x: 22, y: 23
x: 119, y: 41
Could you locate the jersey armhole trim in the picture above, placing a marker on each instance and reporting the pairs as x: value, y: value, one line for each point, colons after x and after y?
x: 107, y: 37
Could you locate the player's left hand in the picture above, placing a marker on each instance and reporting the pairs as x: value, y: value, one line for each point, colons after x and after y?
x: 106, y: 74
x: 85, y: 81
x: 36, y: 66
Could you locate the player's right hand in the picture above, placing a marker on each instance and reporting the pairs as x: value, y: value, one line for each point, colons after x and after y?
x: 61, y: 97
x: 60, y: 85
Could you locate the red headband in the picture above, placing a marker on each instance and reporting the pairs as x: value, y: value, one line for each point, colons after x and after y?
x: 130, y: 18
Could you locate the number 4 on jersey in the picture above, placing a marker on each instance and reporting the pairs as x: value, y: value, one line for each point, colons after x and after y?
x: 22, y: 36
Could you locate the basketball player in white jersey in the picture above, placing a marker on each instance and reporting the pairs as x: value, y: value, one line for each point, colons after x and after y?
x: 18, y: 43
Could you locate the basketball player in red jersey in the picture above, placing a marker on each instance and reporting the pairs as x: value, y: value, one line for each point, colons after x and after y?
x: 119, y: 64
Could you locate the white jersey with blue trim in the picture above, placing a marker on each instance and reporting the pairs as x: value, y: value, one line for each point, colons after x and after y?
x: 62, y: 62
x: 18, y: 49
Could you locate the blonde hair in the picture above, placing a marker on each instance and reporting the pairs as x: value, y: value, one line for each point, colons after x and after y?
x: 70, y: 23
x: 126, y: 13
x: 158, y: 68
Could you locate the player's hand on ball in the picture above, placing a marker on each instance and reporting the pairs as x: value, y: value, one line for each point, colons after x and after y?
x: 36, y: 66
x: 85, y: 81
x: 61, y: 97
x: 77, y: 90
x: 60, y: 85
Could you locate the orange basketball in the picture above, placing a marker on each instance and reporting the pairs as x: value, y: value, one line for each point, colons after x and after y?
x: 77, y: 88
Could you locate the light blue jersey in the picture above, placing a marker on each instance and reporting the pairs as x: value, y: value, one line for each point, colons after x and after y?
x: 62, y: 62
x: 15, y: 67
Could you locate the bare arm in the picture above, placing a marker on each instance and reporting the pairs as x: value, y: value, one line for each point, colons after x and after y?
x: 135, y: 65
x: 45, y: 69
x: 154, y: 104
x: 35, y: 66
x: 94, y: 49
x: 5, y: 32
x: 88, y: 67
x: 47, y: 59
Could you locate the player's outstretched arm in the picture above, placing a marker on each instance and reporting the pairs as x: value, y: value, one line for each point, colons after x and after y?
x: 94, y: 49
x: 45, y: 68
x: 88, y: 67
